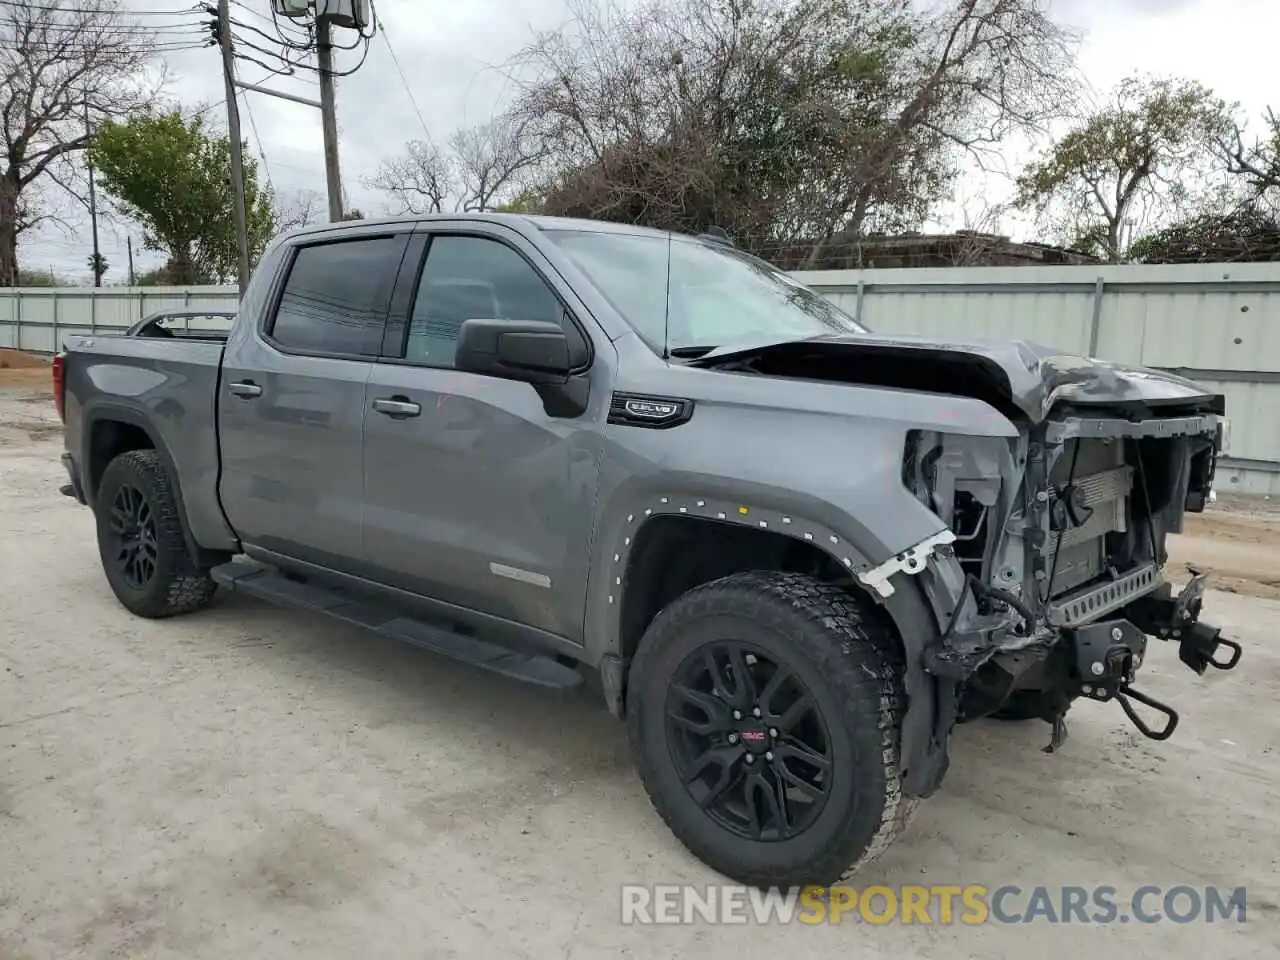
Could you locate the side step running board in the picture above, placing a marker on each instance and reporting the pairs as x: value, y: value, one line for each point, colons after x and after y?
x: 267, y: 583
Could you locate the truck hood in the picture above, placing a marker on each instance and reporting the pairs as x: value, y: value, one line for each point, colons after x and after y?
x: 1030, y: 378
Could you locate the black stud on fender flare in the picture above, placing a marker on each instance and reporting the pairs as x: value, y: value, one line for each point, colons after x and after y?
x: 765, y: 711
x: 140, y: 539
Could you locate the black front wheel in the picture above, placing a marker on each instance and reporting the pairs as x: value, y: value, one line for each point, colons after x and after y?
x: 765, y: 712
x: 140, y: 539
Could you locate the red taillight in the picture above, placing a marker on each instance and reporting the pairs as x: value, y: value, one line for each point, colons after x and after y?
x: 59, y: 386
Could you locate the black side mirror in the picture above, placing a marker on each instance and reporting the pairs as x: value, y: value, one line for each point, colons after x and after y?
x: 531, y: 351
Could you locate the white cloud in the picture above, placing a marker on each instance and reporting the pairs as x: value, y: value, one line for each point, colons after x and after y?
x: 452, y: 54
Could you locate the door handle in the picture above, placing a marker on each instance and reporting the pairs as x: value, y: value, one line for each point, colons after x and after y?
x: 245, y: 388
x: 397, y: 407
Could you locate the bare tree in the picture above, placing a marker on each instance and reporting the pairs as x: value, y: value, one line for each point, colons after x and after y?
x: 419, y: 181
x: 982, y: 70
x: 1257, y: 164
x: 481, y: 167
x: 62, y: 64
x: 299, y: 209
x: 784, y: 122
x: 489, y: 161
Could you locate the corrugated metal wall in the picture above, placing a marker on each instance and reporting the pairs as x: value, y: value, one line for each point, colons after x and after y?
x: 1219, y: 324
x: 1216, y: 323
x: 37, y: 318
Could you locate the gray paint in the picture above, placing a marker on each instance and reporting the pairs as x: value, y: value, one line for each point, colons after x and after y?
x: 484, y: 475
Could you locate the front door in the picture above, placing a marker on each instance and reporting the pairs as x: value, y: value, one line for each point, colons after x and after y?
x: 475, y: 494
x: 291, y: 403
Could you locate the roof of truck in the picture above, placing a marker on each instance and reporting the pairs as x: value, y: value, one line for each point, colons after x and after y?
x: 516, y: 219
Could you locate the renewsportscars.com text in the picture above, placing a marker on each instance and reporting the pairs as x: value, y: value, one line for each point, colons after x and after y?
x: 935, y: 904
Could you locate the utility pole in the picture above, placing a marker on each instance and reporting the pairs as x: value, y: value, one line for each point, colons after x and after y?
x: 328, y: 115
x: 233, y: 131
x: 93, y: 211
x: 129, y: 247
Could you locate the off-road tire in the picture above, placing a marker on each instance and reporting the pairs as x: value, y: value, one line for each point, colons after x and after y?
x: 177, y: 585
x: 850, y: 659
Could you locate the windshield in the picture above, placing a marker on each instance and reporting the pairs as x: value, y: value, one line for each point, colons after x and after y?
x: 718, y: 295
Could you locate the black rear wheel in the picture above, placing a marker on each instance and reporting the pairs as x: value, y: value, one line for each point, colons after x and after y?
x: 140, y: 539
x: 133, y: 536
x: 764, y: 710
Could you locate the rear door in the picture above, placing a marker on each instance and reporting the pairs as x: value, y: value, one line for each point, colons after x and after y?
x: 291, y: 409
x: 476, y: 495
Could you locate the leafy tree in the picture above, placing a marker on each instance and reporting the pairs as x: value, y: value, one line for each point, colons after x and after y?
x: 526, y: 201
x: 161, y: 276
x: 1139, y: 157
x: 41, y: 278
x: 171, y: 175
x: 62, y: 63
x: 97, y: 267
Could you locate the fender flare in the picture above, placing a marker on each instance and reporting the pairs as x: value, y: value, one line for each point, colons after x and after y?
x: 617, y: 539
x: 924, y: 744
x: 926, y: 729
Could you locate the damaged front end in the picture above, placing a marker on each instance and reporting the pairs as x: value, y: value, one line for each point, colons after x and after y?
x: 1056, y: 558
x: 1047, y: 577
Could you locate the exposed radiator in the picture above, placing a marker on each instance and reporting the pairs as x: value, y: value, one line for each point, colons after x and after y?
x: 1078, y: 555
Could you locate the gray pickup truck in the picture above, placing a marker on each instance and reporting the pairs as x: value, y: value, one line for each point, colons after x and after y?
x: 795, y: 553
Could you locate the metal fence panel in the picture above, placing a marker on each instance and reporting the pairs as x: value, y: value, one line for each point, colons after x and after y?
x: 1216, y: 323
x: 38, y: 318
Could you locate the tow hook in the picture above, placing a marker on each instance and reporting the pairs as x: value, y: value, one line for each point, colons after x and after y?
x: 1108, y: 655
x: 1127, y: 692
x: 1199, y: 644
x: 1178, y: 618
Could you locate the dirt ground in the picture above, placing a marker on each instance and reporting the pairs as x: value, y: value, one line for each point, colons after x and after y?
x: 250, y: 781
x: 23, y: 371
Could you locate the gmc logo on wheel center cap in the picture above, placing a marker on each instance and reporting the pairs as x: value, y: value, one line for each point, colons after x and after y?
x: 753, y: 736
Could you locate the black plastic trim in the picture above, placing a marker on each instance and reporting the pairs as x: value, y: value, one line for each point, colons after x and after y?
x: 623, y: 411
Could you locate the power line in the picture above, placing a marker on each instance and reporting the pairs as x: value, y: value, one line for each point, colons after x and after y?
x: 386, y: 38
x: 114, y: 47
x: 112, y: 30
x: 262, y: 152
x: 108, y: 11
x: 248, y: 9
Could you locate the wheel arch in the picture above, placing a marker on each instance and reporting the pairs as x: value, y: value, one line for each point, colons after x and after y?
x: 110, y: 430
x: 628, y: 595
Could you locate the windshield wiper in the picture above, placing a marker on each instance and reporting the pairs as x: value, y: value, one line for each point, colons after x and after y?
x: 691, y: 353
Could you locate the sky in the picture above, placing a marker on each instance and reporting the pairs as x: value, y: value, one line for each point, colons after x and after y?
x: 451, y: 53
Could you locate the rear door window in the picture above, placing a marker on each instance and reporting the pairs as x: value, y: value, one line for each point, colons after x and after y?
x: 336, y: 296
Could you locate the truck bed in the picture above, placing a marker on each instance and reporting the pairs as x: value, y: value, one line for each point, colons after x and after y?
x: 166, y: 387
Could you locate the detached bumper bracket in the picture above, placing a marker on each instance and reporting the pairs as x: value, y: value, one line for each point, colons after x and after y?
x: 1178, y: 618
